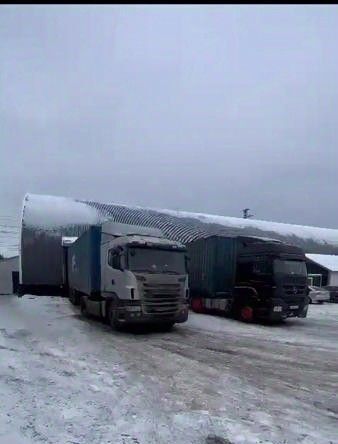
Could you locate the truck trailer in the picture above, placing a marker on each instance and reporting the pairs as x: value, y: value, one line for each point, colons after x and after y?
x: 128, y: 275
x: 248, y: 278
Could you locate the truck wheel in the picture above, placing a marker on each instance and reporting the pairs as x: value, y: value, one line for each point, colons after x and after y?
x: 74, y: 299
x: 112, y: 319
x: 246, y: 314
x: 197, y: 305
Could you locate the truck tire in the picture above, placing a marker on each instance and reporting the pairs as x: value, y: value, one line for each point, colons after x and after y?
x: 197, y: 305
x: 112, y: 319
x: 83, y: 308
x: 246, y: 313
x: 73, y: 297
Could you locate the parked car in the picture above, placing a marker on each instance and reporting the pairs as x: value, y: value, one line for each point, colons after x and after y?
x: 318, y: 295
x: 333, y: 292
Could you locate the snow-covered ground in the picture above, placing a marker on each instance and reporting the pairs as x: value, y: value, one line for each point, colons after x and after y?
x: 64, y: 379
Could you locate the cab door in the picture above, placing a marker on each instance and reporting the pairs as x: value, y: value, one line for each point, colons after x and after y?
x: 113, y: 274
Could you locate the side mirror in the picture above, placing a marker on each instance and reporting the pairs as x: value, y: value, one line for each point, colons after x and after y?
x: 117, y: 262
x: 121, y: 261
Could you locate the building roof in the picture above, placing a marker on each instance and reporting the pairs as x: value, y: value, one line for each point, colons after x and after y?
x: 118, y: 229
x: 70, y: 217
x: 328, y: 261
x: 9, y: 258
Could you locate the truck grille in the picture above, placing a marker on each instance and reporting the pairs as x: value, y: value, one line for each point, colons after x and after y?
x: 161, y: 299
x: 293, y: 300
x: 295, y: 290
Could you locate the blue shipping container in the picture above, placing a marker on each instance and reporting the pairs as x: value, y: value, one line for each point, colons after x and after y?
x: 84, y: 264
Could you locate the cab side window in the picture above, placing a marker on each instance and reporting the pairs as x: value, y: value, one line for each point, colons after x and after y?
x: 114, y: 259
x: 260, y: 267
x: 244, y: 270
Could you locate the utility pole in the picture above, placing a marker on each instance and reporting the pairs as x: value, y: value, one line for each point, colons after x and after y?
x: 246, y: 214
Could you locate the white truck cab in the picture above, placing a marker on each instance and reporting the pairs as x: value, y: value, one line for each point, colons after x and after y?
x: 143, y: 279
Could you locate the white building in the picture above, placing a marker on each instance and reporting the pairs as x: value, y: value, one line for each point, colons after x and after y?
x: 323, y: 269
x: 9, y: 275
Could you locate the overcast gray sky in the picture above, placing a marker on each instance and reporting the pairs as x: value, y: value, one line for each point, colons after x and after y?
x: 201, y: 108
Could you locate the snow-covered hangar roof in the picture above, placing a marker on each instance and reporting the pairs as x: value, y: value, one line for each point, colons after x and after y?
x: 47, y: 219
x: 328, y: 261
x: 52, y: 213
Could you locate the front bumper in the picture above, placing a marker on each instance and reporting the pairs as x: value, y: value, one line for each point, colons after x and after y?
x: 134, y: 314
x: 279, y: 309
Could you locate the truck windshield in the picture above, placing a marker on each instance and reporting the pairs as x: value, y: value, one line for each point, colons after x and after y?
x: 290, y: 267
x: 156, y: 260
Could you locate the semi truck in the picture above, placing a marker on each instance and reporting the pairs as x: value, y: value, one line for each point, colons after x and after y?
x: 247, y: 278
x: 128, y: 275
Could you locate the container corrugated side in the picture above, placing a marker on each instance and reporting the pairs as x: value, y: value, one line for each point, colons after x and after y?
x: 84, y: 262
x: 212, y: 265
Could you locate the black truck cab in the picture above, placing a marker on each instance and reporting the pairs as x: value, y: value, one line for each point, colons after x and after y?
x: 271, y: 280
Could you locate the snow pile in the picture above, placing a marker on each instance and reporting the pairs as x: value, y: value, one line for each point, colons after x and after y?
x: 329, y: 261
x: 64, y: 379
x: 50, y: 212
x: 321, y: 235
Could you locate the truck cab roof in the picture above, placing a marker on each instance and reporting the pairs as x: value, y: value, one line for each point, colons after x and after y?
x: 147, y: 241
x: 269, y: 247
